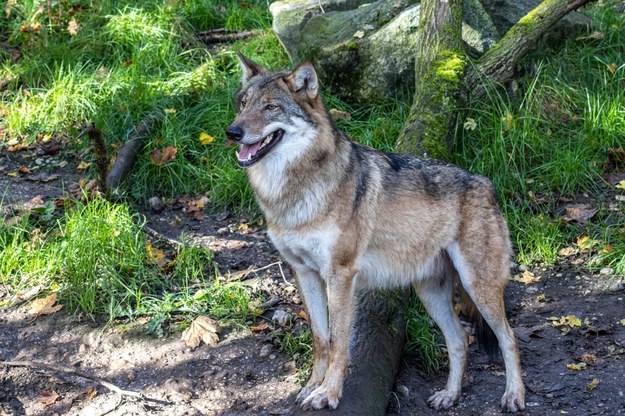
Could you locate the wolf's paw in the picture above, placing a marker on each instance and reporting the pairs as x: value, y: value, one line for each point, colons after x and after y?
x: 443, y: 399
x: 305, y: 392
x: 513, y: 401
x: 321, y: 397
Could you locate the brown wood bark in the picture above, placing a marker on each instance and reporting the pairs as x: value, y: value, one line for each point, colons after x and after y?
x: 128, y: 153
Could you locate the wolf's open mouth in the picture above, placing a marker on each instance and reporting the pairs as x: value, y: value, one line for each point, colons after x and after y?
x: 249, y: 154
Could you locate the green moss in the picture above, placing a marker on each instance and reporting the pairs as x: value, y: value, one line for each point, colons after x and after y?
x: 449, y: 67
x: 439, y: 91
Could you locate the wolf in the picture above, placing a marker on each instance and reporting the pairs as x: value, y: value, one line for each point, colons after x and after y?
x: 348, y: 217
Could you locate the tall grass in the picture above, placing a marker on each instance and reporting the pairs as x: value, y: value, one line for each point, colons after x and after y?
x: 551, y: 142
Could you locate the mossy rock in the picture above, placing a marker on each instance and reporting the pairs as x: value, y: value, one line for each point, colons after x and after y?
x: 364, y: 51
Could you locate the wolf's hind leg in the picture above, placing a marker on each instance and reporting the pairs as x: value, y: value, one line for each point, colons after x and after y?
x: 436, y: 294
x: 313, y: 290
x: 484, y: 279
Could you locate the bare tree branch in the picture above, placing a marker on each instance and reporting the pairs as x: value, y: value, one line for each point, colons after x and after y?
x: 498, y: 64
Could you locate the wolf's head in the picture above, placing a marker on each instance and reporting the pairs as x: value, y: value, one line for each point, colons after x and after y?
x: 278, y: 113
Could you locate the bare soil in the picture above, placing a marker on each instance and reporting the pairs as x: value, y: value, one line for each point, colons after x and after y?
x: 246, y: 374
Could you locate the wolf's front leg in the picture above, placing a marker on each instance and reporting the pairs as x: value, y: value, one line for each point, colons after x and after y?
x: 340, y: 316
x: 313, y: 291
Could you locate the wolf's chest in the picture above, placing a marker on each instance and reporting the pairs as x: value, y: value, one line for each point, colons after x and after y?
x: 311, y: 248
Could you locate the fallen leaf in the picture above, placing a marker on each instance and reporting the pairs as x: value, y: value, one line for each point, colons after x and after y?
x: 206, y: 138
x: 622, y: 322
x: 30, y: 28
x: 83, y: 165
x: 260, y: 327
x: 576, y: 367
x: 566, y: 251
x: 571, y: 321
x: 44, y: 306
x: 160, y: 157
x: 621, y: 185
x: 585, y: 242
x: 580, y: 213
x: 526, y: 277
x: 48, y: 397
x: 193, y: 207
x: 593, y: 384
x: 302, y: 314
x: 23, y: 170
x: 359, y: 34
x: 470, y: 124
x: 612, y: 67
x: 202, y: 328
x: 155, y: 255
x: 91, y: 393
x: 17, y: 148
x: 73, y: 27
x: 588, y: 358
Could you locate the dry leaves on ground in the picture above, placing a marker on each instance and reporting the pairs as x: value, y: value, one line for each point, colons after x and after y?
x: 45, y: 306
x: 48, y: 397
x: 160, y: 157
x: 526, y: 277
x: 204, y: 329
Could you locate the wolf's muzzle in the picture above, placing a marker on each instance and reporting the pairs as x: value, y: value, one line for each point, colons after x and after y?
x: 234, y: 133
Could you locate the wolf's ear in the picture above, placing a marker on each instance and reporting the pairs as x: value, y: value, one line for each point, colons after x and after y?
x: 249, y: 68
x: 304, y: 80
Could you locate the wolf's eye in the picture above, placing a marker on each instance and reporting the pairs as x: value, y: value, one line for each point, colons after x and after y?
x: 271, y: 107
x: 243, y: 103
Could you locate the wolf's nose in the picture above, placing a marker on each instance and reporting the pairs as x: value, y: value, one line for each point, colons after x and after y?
x: 234, y: 133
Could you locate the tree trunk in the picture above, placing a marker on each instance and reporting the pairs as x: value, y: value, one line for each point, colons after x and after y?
x: 439, y: 68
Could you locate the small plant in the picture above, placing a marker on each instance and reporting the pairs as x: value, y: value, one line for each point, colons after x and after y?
x: 298, y: 346
x: 422, y: 338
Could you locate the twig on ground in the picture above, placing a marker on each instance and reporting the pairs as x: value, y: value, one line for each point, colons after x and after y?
x: 249, y: 270
x: 171, y: 241
x: 210, y: 37
x: 110, y: 386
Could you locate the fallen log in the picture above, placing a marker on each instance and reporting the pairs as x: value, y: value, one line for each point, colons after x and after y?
x: 128, y: 153
x: 375, y: 347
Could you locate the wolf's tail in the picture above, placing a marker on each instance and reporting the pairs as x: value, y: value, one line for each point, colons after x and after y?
x: 485, y: 335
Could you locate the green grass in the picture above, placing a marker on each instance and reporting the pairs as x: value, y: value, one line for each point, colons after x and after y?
x: 422, y: 339
x: 96, y: 258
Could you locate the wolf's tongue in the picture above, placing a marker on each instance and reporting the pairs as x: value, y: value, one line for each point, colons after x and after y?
x: 247, y: 150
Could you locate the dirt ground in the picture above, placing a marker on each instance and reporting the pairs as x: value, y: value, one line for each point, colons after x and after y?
x: 578, y: 370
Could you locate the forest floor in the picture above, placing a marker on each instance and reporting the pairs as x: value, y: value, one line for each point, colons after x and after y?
x: 570, y: 324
